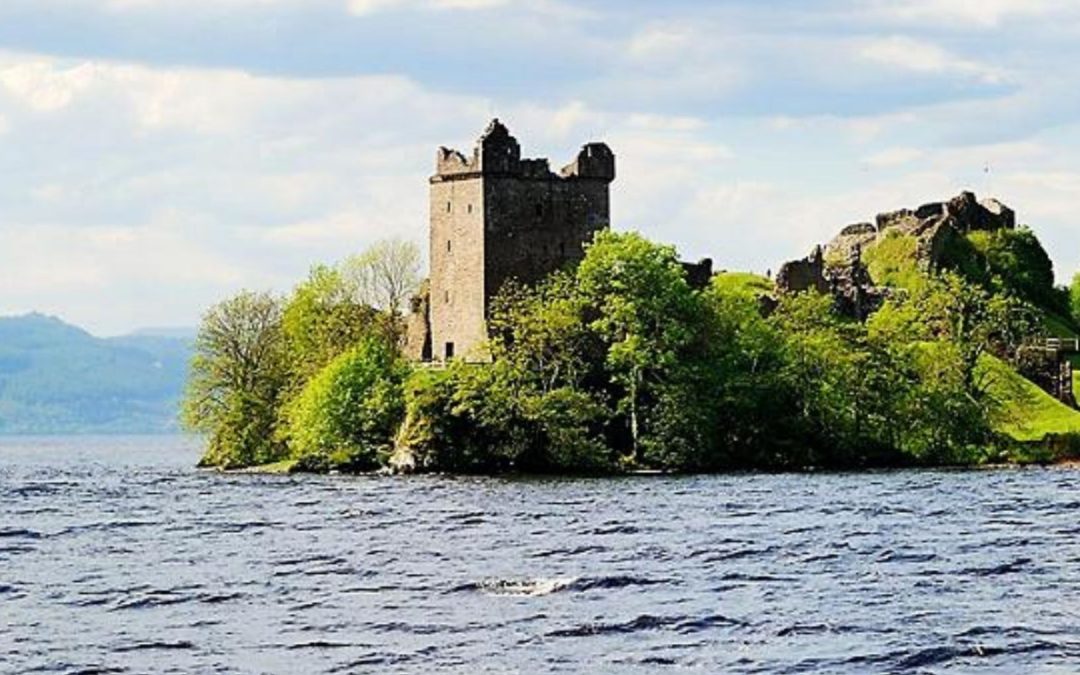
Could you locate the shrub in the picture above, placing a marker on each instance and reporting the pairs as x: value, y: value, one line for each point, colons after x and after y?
x: 347, y: 414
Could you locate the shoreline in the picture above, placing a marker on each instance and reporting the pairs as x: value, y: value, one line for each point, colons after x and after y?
x: 288, y: 468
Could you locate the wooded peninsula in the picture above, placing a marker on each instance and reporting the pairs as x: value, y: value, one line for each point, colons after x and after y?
x: 617, y: 363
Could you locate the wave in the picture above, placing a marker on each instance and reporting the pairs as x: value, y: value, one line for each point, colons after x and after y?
x: 616, y: 529
x: 319, y: 644
x: 154, y: 645
x: 547, y: 586
x: 163, y: 598
x: 919, y: 659
x: 520, y: 587
x: 648, y: 622
x: 1004, y: 568
x: 569, y: 551
x: 19, y: 533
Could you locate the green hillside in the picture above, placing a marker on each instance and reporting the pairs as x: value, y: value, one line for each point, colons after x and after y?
x: 1008, y: 260
x: 56, y: 378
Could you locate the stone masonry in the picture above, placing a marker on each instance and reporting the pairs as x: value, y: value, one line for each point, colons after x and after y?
x: 497, y: 216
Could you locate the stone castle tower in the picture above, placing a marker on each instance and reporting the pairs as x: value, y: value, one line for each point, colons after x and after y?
x: 496, y: 216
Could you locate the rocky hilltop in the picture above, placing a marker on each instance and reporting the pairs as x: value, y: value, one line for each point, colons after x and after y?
x: 839, y: 267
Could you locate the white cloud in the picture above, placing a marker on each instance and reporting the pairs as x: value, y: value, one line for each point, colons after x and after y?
x: 198, y: 182
x: 967, y: 13
x: 924, y: 57
x: 663, y: 42
x: 554, y: 8
x: 741, y: 132
x: 44, y: 87
x: 184, y: 181
x: 363, y: 7
x: 894, y: 157
x: 128, y: 5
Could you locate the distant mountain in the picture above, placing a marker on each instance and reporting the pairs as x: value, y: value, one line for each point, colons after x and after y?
x: 177, y: 332
x: 56, y: 378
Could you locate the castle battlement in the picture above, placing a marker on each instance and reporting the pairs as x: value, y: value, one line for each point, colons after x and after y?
x: 497, y: 152
x: 452, y: 163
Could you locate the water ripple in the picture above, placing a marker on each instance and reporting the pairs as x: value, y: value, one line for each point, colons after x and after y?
x: 118, y: 557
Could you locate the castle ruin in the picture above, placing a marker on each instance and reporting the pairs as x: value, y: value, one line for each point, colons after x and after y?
x: 497, y: 216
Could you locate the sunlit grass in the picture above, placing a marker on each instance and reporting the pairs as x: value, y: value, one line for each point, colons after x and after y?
x: 1030, y: 414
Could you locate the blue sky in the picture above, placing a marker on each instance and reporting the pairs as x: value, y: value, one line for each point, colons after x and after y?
x: 158, y: 155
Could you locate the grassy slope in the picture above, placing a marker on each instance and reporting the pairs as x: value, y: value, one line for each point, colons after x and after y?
x: 742, y: 283
x: 285, y: 466
x: 1057, y: 326
x: 1032, y: 414
x: 891, y: 261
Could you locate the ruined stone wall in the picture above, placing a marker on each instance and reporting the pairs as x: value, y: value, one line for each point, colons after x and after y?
x: 457, y: 300
x: 417, y: 342
x: 699, y: 274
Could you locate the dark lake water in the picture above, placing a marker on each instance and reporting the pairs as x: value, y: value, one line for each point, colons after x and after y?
x: 116, y: 556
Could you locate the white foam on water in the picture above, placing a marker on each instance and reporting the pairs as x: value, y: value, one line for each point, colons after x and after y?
x: 526, y: 587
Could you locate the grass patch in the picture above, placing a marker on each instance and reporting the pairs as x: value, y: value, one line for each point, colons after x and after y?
x: 1057, y: 326
x: 1030, y: 414
x: 891, y: 261
x: 835, y: 259
x: 742, y: 283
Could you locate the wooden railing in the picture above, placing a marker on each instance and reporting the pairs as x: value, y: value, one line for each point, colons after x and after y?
x: 1061, y: 345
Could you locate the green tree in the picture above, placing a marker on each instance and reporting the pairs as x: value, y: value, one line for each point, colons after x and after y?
x: 844, y: 385
x: 347, y: 414
x: 1074, y: 297
x: 650, y: 320
x: 1015, y: 263
x: 238, y: 373
x: 755, y: 406
x: 543, y: 333
x: 324, y: 318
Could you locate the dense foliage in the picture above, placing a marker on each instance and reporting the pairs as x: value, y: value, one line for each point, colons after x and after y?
x: 346, y: 416
x: 1074, y: 298
x: 1014, y: 262
x: 315, y: 377
x: 620, y: 364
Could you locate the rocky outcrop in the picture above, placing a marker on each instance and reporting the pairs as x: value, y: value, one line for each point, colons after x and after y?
x: 838, y: 267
